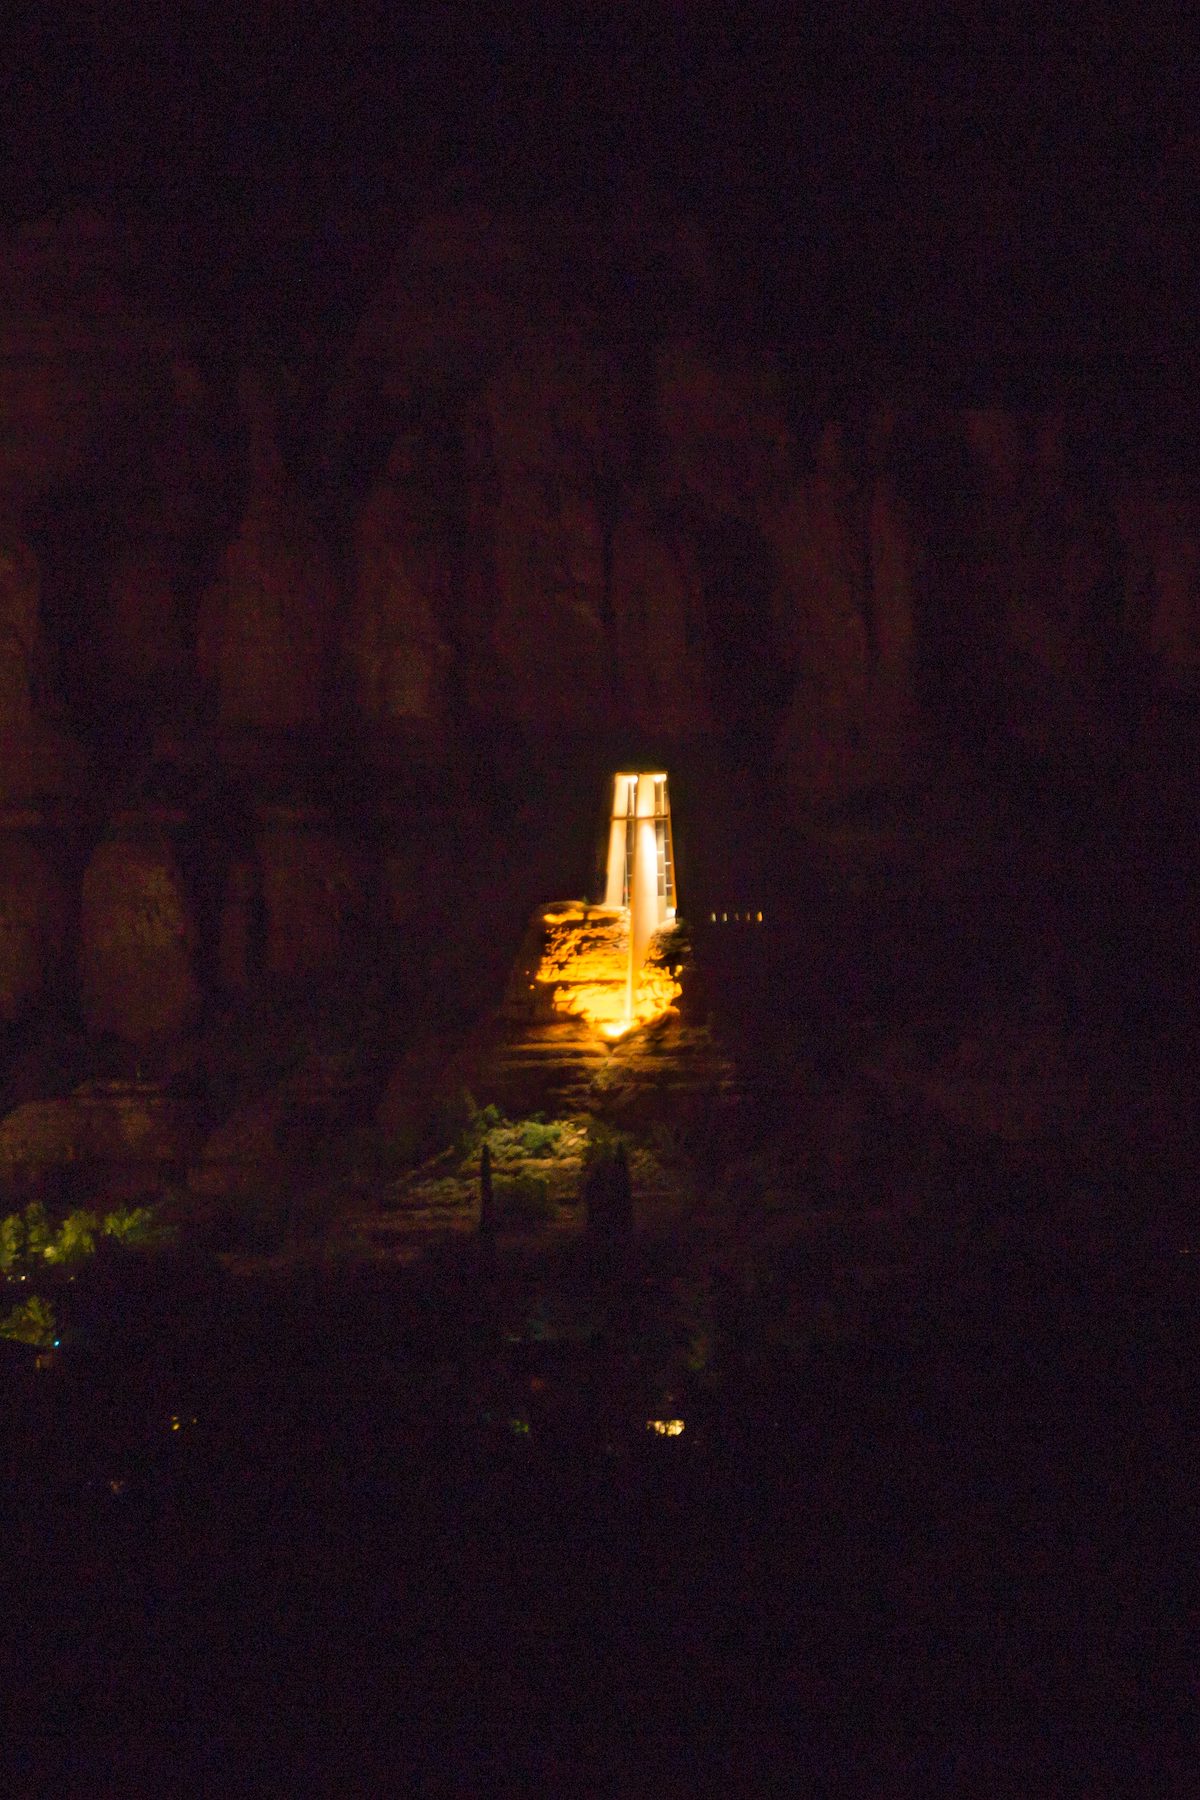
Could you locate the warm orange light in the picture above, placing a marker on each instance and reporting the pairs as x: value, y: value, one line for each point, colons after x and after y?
x: 586, y: 964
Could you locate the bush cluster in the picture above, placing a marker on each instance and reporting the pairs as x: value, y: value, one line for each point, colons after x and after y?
x: 32, y: 1246
x: 29, y: 1239
x: 538, y: 1138
x: 31, y: 1321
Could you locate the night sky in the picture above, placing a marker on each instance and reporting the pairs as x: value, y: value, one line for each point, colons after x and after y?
x: 951, y: 197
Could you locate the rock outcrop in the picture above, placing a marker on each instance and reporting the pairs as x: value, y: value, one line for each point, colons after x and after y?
x: 33, y: 917
x: 265, y: 629
x: 396, y: 645
x: 312, y: 896
x: 845, y: 599
x: 137, y: 938
x: 358, y: 629
x: 36, y: 756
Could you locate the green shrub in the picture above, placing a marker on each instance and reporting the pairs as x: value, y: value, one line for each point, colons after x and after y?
x: 39, y: 1234
x: 26, y: 1237
x: 32, y: 1322
x: 29, y: 1238
x: 76, y: 1238
x: 539, y: 1139
x: 476, y: 1127
x: 12, y: 1243
x: 135, y: 1227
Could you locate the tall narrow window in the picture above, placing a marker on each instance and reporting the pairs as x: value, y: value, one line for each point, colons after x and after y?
x: 670, y: 844
x: 636, y: 811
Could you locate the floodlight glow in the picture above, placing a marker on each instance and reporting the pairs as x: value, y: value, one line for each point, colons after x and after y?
x: 600, y: 961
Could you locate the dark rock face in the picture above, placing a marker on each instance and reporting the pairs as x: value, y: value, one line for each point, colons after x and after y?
x: 264, y: 636
x: 846, y: 598
x: 32, y: 924
x: 526, y: 499
x: 143, y: 645
x: 137, y: 940
x: 35, y: 754
x: 396, y: 648
x: 661, y: 666
x: 537, y: 511
x: 237, y: 948
x: 312, y: 895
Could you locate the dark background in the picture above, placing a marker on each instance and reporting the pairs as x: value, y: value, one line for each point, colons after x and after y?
x: 967, y: 199
x: 953, y: 1551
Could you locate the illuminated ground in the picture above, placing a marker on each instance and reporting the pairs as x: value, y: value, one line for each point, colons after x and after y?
x: 538, y: 1195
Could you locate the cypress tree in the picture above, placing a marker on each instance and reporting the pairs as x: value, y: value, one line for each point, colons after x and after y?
x: 487, y: 1203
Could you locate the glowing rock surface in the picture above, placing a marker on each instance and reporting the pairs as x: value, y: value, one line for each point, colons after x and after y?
x: 585, y: 961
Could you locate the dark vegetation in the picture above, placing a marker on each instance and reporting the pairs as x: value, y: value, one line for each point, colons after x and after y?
x: 927, y: 1529
x: 280, y: 1518
x: 369, y: 1532
x: 928, y: 1526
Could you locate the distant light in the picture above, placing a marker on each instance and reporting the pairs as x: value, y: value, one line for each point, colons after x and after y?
x: 758, y: 916
x: 713, y: 917
x: 665, y: 1427
x: 724, y: 918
